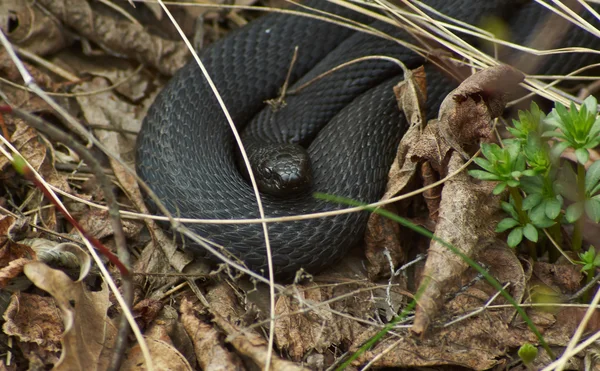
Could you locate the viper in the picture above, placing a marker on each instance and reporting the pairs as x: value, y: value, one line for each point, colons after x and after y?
x: 337, y: 134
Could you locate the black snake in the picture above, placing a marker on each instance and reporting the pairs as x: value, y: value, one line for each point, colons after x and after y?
x: 186, y: 151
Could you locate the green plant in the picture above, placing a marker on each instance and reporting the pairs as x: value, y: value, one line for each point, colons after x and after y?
x: 528, y: 353
x: 590, y: 261
x: 538, y: 181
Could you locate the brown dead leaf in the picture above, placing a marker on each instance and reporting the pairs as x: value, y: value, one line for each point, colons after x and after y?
x: 210, y: 351
x: 6, y: 222
x: 224, y: 308
x: 252, y: 346
x: 32, y: 29
x: 411, y: 94
x: 145, y: 311
x: 467, y: 112
x: 164, y: 357
x: 10, y: 250
x: 314, y: 329
x: 35, y: 320
x: 468, y: 215
x: 13, y: 256
x: 12, y: 270
x: 502, y: 263
x: 382, y: 234
x: 97, y: 223
x: 475, y: 343
x: 26, y: 141
x: 119, y: 35
x: 88, y: 331
x: 563, y: 279
x: 169, y: 328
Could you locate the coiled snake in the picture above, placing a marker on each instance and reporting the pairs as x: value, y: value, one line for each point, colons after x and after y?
x: 186, y: 152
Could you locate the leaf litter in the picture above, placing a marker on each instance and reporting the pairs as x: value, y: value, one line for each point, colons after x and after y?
x: 70, y: 322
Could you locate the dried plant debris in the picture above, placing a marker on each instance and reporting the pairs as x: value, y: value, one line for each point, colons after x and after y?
x: 88, y: 334
x: 105, y: 65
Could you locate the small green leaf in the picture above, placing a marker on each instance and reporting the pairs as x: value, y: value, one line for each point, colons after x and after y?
x: 499, y: 188
x: 558, y: 149
x: 588, y: 256
x: 591, y: 105
x: 528, y: 353
x: 538, y: 217
x: 515, y: 237
x: 506, y: 224
x: 490, y: 151
x: 485, y: 164
x: 552, y: 207
x: 592, y: 208
x: 483, y: 175
x: 574, y: 212
x: 582, y: 155
x: 509, y: 209
x: 592, y: 177
x: 512, y: 183
x: 530, y: 232
x: 532, y: 200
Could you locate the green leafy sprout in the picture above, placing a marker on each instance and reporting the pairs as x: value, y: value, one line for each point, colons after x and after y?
x: 545, y: 191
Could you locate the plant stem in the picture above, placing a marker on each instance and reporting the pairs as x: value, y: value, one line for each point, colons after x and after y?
x: 577, y: 238
x: 589, y: 278
x: 518, y: 199
x: 523, y: 219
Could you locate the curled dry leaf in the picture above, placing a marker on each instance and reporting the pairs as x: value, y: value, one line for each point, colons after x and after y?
x: 466, y: 113
x: 34, y: 320
x: 26, y: 25
x: 11, y: 271
x: 13, y: 256
x: 169, y: 328
x: 82, y: 260
x: 89, y: 335
x: 26, y: 141
x: 145, y: 311
x: 253, y: 346
x: 382, y: 234
x: 210, y: 352
x: 468, y: 214
x: 66, y: 256
x: 164, y: 357
x: 223, y: 308
x: 119, y: 35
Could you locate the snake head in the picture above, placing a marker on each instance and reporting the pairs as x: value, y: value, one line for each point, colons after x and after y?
x: 280, y: 170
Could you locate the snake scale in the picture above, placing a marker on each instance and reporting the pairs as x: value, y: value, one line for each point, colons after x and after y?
x: 187, y: 155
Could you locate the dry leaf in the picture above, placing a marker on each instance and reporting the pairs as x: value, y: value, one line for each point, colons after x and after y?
x: 210, y: 352
x: 467, y: 112
x: 164, y: 357
x: 35, y: 320
x: 88, y: 331
x: 383, y: 245
x: 120, y: 36
x: 32, y: 29
x: 468, y: 214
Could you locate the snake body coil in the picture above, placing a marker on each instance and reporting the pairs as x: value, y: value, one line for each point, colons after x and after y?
x: 186, y: 151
